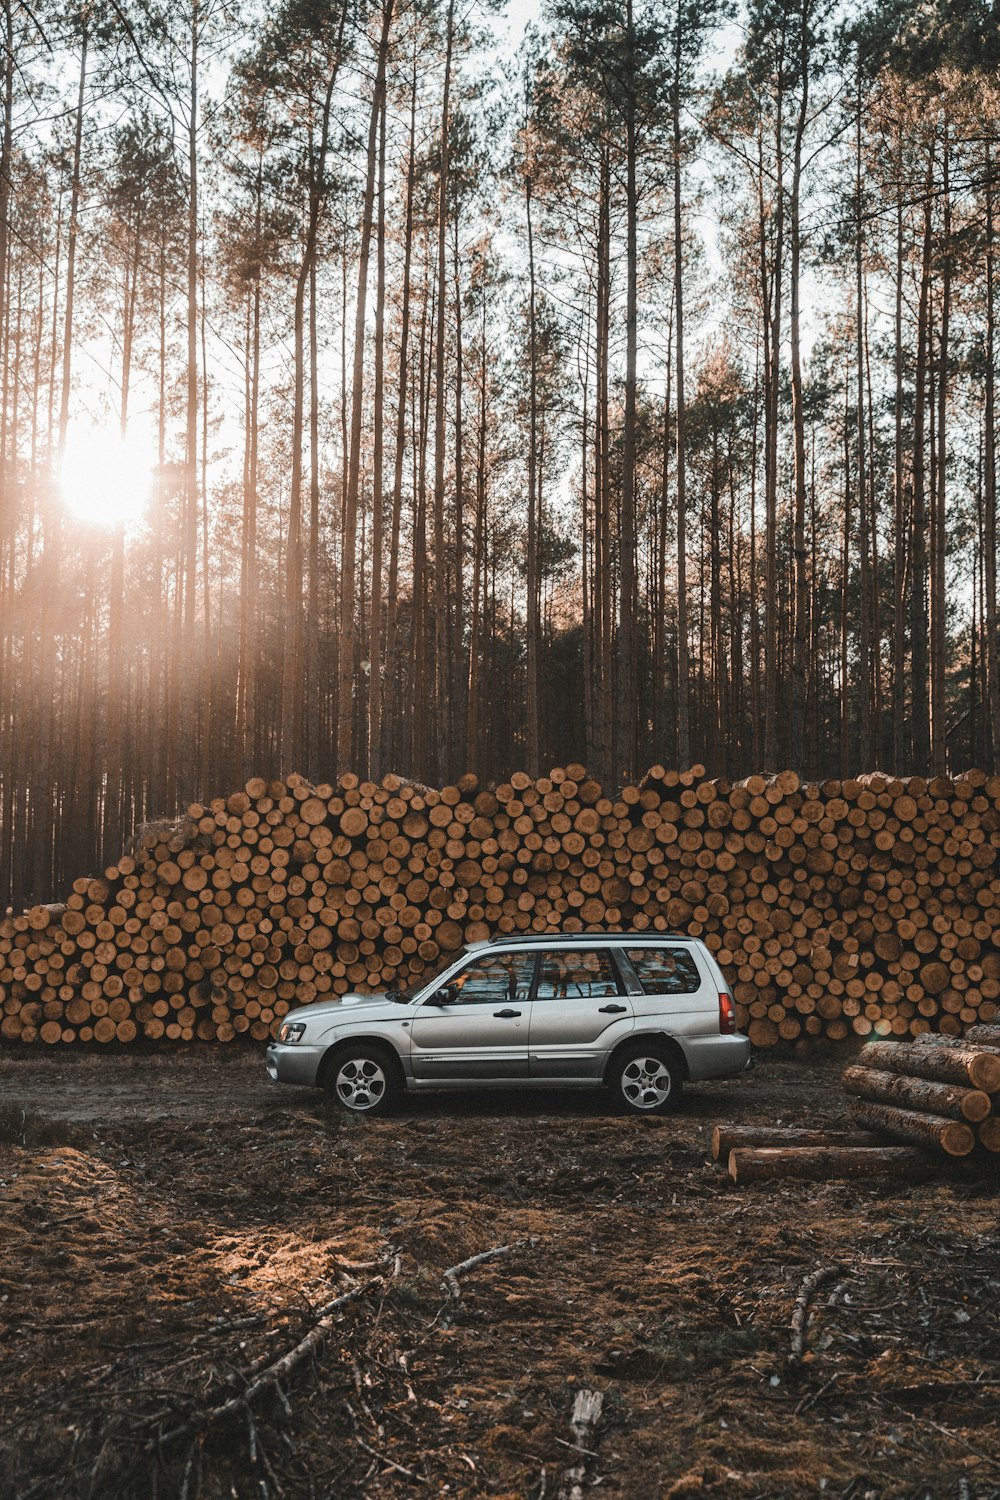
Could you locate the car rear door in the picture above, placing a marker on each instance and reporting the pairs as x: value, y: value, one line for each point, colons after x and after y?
x: 670, y: 988
x: 483, y: 1031
x: 579, y: 1012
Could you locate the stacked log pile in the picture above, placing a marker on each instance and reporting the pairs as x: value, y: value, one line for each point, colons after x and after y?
x: 855, y: 908
x: 937, y: 1091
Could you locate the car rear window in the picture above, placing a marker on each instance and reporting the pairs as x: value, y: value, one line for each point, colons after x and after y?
x: 664, y: 971
x: 588, y: 974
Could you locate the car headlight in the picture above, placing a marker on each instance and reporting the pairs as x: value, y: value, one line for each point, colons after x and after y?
x: 291, y: 1033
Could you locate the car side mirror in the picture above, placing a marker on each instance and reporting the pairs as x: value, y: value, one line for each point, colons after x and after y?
x: 445, y: 996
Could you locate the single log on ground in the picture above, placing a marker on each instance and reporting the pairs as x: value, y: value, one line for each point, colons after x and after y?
x: 953, y: 1137
x: 962, y: 1065
x: 948, y: 1099
x: 766, y: 1163
x: 726, y: 1138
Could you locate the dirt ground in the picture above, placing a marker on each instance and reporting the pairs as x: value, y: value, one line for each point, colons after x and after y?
x: 172, y: 1226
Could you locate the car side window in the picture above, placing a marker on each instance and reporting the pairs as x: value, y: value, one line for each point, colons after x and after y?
x: 585, y: 975
x: 664, y: 971
x: 494, y: 979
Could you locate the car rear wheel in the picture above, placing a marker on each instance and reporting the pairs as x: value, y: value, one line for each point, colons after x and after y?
x: 364, y: 1081
x: 646, y: 1080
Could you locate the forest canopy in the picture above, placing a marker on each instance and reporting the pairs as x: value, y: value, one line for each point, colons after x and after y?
x: 401, y: 386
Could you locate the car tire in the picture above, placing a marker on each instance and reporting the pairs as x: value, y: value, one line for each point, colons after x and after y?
x: 364, y: 1080
x: 645, y: 1079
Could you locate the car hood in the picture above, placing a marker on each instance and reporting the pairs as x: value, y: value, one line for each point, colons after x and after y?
x: 329, y: 1010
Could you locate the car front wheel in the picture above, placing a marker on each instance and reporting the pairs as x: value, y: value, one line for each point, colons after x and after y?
x: 364, y: 1081
x: 646, y: 1080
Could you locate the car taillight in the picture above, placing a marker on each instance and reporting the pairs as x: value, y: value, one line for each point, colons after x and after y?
x: 727, y: 1013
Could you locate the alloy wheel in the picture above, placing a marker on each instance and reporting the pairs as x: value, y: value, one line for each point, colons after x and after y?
x: 646, y: 1083
x: 360, y: 1084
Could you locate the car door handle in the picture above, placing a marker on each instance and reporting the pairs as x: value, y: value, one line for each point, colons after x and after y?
x: 506, y: 1015
x: 612, y: 1010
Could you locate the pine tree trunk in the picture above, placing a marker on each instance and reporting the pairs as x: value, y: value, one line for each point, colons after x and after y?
x: 348, y: 578
x: 918, y: 604
x: 771, y: 288
x: 990, y: 486
x: 801, y: 598
x: 602, y: 494
x: 392, y: 655
x: 683, y: 664
x: 293, y: 644
x: 533, y: 631
x: 627, y: 681
x: 440, y: 605
x: 864, y: 639
x: 473, y: 754
x: 378, y: 498
x: 191, y: 372
x: 900, y: 738
x: 939, y: 747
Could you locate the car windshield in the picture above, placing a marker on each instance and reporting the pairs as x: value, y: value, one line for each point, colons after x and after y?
x: 402, y: 997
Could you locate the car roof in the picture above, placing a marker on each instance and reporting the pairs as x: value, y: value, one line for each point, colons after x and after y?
x: 574, y: 939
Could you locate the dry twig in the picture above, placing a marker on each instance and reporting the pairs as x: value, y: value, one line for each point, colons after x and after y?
x: 449, y: 1280
x: 271, y: 1377
x: 801, y: 1313
x: 390, y: 1463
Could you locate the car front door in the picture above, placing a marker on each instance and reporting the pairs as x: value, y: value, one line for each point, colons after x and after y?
x: 579, y: 1012
x: 482, y: 1029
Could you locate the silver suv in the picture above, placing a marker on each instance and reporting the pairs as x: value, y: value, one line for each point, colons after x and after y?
x: 637, y: 1012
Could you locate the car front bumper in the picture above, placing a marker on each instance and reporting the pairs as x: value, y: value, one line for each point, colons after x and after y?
x: 715, y: 1056
x: 294, y: 1064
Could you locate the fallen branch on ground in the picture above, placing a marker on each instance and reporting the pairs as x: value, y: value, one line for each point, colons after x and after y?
x: 449, y: 1281
x: 802, y: 1312
x: 270, y: 1378
x: 389, y: 1463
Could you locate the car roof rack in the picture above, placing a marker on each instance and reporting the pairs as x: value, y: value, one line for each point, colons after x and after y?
x: 566, y: 937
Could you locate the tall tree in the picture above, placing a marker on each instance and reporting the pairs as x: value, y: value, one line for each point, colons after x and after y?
x: 345, y: 729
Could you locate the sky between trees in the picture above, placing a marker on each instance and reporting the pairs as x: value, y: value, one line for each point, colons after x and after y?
x: 425, y: 387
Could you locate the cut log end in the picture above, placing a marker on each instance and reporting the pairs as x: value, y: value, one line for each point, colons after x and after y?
x: 868, y: 907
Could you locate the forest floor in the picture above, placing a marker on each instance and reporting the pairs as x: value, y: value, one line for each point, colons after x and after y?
x: 172, y: 1225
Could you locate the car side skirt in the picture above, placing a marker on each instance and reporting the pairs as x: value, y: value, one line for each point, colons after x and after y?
x: 436, y: 1084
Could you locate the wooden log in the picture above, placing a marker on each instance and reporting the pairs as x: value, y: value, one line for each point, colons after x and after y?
x: 950, y: 1100
x: 953, y: 1137
x: 768, y: 1163
x: 936, y: 1039
x: 866, y: 907
x: 726, y: 1138
x: 983, y: 1036
x: 962, y: 1065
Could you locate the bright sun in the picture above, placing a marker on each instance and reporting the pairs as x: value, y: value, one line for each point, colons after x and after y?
x: 106, y: 478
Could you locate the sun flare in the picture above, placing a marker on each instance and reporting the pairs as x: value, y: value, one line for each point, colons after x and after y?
x: 106, y: 478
